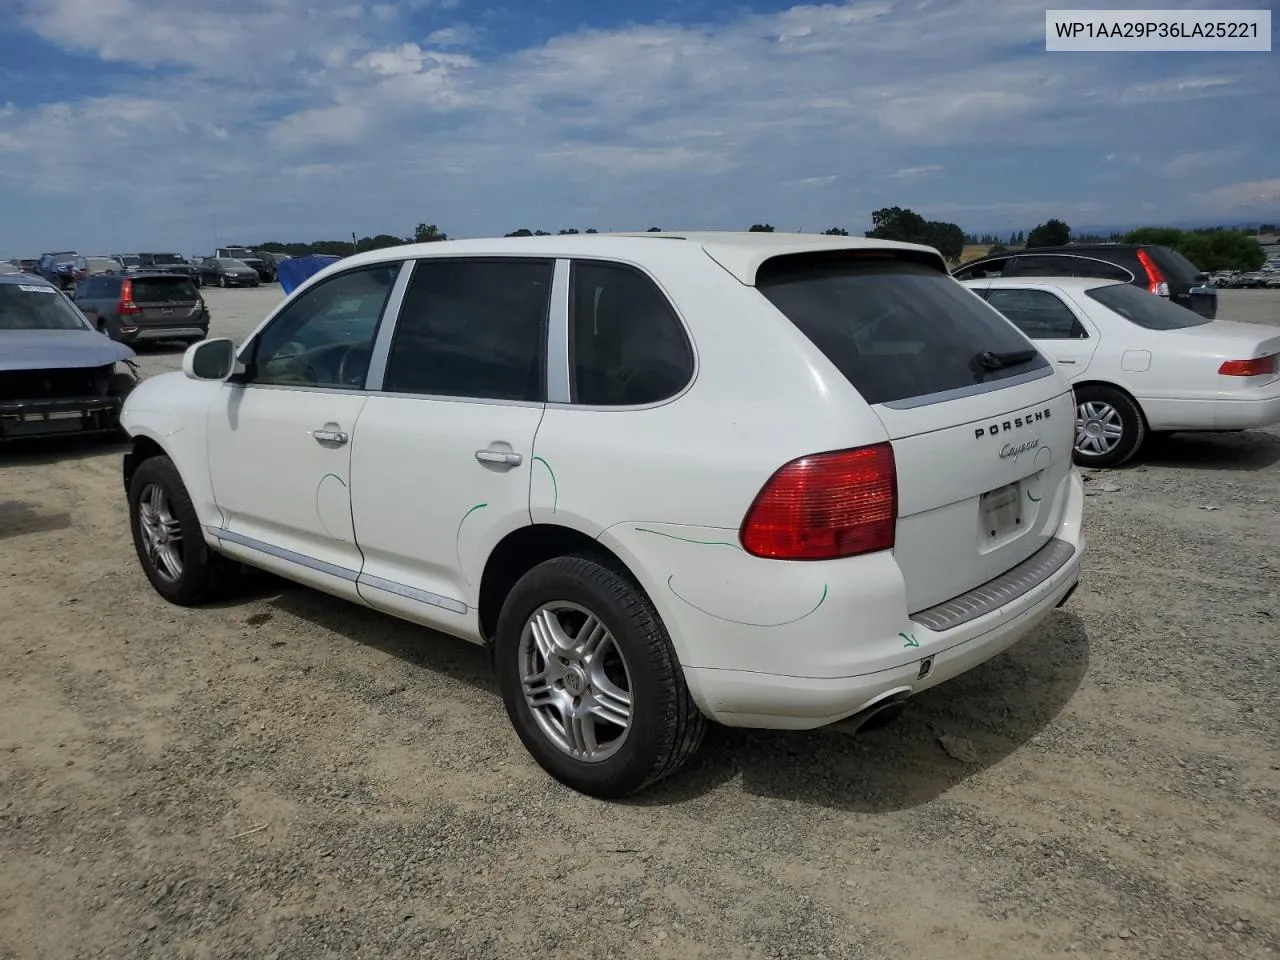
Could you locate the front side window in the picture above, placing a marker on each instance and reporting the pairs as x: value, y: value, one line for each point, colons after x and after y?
x: 473, y: 328
x: 325, y: 337
x: 627, y: 347
x: 1037, y: 313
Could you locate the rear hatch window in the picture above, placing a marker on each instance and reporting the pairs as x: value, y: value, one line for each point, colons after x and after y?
x: 895, y: 328
x: 1175, y: 266
x: 163, y: 289
x: 1145, y: 309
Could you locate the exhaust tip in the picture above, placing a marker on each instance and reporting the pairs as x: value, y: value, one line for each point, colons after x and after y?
x: 879, y: 714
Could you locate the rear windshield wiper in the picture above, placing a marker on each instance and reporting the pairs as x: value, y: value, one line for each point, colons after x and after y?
x: 992, y: 360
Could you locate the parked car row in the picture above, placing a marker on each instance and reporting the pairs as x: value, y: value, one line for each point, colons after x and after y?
x: 229, y: 266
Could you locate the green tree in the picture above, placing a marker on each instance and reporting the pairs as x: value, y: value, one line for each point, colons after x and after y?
x: 428, y: 233
x: 997, y: 248
x: 541, y: 233
x: 380, y: 242
x: 592, y: 230
x: 836, y: 232
x: 899, y: 223
x: 654, y: 230
x: 761, y: 228
x: 569, y: 232
x: 1051, y: 233
x: 1219, y: 249
x: 522, y: 232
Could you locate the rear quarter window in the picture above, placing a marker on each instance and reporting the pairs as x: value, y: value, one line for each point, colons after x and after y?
x: 1145, y: 309
x: 896, y: 329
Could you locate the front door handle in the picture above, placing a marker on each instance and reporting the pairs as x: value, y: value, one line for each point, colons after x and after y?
x: 1069, y: 361
x: 326, y: 435
x: 499, y: 456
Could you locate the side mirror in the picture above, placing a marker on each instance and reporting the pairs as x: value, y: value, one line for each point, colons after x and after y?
x: 210, y: 359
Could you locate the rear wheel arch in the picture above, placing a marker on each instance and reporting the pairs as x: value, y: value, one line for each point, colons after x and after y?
x: 523, y: 549
x: 1109, y: 385
x: 1137, y: 427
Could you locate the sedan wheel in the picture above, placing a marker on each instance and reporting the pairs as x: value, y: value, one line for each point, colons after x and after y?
x: 1109, y: 427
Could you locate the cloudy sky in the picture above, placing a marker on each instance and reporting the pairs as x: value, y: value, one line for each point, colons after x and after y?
x: 136, y: 123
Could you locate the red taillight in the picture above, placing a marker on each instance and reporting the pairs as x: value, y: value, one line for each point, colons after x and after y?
x: 1257, y: 367
x: 826, y: 506
x: 126, y: 306
x: 1156, y: 283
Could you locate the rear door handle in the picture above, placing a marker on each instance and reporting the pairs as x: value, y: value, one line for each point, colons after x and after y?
x: 330, y: 436
x: 499, y: 456
x: 1069, y: 361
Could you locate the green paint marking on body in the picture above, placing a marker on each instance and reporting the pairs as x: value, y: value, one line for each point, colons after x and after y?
x: 555, y: 487
x: 707, y: 543
x: 457, y: 540
x: 911, y: 641
x: 747, y: 623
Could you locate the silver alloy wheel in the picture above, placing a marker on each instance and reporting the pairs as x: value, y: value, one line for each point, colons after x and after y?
x: 576, y: 681
x: 1098, y: 428
x: 161, y: 532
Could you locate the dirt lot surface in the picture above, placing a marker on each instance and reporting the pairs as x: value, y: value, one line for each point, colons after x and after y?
x: 289, y: 776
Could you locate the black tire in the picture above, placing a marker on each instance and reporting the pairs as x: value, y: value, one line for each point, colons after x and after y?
x: 1133, y: 426
x: 666, y: 726
x: 205, y: 575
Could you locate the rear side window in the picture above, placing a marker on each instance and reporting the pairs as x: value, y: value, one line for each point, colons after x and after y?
x: 1101, y: 270
x: 626, y: 346
x: 157, y: 289
x: 1145, y: 309
x: 472, y: 328
x: 1046, y: 265
x: 896, y: 329
x: 1037, y: 313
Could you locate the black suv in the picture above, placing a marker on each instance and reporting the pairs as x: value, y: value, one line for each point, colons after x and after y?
x: 1157, y: 269
x: 168, y: 263
x: 147, y: 305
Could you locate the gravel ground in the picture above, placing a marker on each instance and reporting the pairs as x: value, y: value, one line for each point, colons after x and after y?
x: 289, y: 776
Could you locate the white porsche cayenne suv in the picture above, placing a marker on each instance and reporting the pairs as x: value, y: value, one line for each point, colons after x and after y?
x: 766, y: 480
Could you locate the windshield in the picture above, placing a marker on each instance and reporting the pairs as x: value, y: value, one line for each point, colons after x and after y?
x: 238, y: 252
x: 101, y: 265
x: 35, y: 307
x: 896, y: 329
x: 1145, y: 309
x: 165, y: 258
x: 224, y: 261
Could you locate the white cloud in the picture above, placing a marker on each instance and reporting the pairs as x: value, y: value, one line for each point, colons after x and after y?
x: 1245, y: 197
x: 458, y: 35
x: 1198, y: 162
x: 914, y: 173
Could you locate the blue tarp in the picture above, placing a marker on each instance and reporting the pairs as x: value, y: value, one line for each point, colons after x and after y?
x: 295, y: 270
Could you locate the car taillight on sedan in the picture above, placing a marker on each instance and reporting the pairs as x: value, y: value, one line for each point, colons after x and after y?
x: 825, y: 506
x: 126, y: 306
x: 1257, y: 367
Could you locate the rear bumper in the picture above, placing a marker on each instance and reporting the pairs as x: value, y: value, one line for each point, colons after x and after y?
x: 798, y: 646
x: 152, y: 332
x: 48, y: 418
x: 1214, y: 414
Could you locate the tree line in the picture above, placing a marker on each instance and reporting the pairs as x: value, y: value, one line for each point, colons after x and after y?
x: 1213, y: 248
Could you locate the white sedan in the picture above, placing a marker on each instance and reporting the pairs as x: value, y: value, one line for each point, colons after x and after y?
x: 1140, y: 364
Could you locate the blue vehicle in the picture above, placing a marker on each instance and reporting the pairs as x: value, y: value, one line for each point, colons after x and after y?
x: 58, y: 375
x: 57, y: 268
